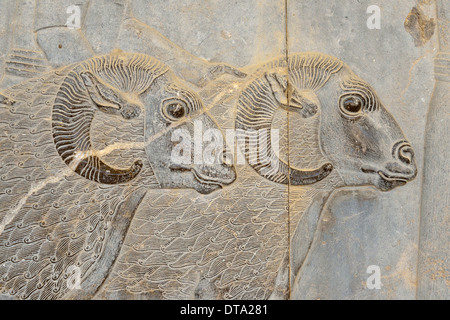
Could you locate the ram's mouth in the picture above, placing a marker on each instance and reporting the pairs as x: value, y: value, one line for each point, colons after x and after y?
x: 207, y: 180
x: 396, y: 179
x: 204, y: 178
x: 388, y: 181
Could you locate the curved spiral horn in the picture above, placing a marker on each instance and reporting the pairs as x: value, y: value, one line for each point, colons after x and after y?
x: 110, y: 84
x: 271, y: 90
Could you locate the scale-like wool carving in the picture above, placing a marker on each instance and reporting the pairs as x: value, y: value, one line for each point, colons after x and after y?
x: 88, y: 88
x: 245, y: 242
x: 271, y: 89
x: 52, y: 219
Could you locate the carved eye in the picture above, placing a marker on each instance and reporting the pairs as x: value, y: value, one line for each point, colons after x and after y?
x: 174, y: 109
x: 351, y: 105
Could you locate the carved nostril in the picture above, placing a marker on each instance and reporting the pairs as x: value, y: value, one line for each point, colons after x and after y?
x: 406, y: 154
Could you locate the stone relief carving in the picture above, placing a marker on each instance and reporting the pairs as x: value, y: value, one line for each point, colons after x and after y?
x: 433, y: 258
x: 57, y: 220
x: 86, y: 168
x: 353, y: 123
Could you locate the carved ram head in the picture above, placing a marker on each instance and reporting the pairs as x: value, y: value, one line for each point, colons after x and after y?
x: 129, y: 86
x: 357, y: 135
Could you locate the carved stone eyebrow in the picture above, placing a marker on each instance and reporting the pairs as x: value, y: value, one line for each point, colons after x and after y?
x: 191, y: 98
x: 353, y: 85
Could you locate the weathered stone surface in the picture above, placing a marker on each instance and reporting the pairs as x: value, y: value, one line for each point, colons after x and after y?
x: 402, y: 75
x: 109, y: 113
x: 433, y: 276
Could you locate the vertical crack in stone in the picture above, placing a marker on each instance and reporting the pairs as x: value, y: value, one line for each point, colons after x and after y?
x: 288, y: 151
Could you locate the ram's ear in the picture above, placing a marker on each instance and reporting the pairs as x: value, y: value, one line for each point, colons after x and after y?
x: 104, y: 96
x: 107, y: 98
x: 278, y: 85
x: 305, y: 102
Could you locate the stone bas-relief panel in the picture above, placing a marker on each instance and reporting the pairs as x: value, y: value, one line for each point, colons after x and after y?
x: 360, y: 228
x: 139, y: 162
